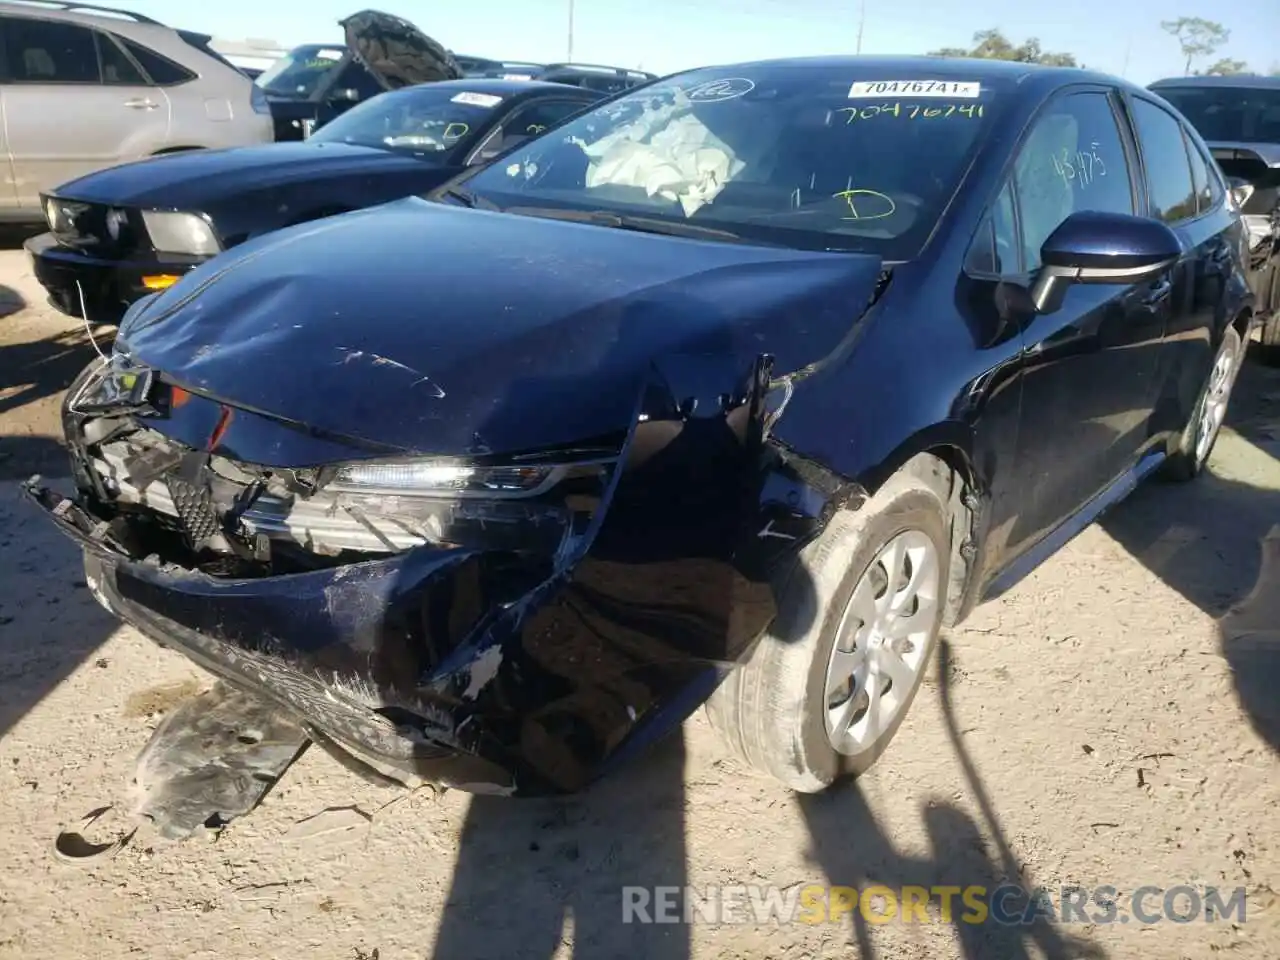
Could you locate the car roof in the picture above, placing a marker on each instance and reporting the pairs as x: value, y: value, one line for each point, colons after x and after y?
x: 1248, y: 80
x: 85, y: 13
x: 880, y: 67
x: 494, y: 85
x: 136, y: 26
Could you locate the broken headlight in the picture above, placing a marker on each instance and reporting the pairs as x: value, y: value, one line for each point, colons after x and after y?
x: 534, y: 507
x: 114, y: 385
x: 453, y: 479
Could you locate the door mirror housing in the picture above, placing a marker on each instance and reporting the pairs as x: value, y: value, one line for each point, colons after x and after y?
x: 1094, y: 247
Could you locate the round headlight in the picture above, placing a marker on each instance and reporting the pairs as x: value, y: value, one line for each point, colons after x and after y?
x: 116, y: 222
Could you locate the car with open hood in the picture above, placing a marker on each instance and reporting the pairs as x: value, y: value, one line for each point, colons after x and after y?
x: 315, y: 82
x: 604, y: 79
x: 1239, y: 117
x: 733, y: 389
x: 125, y: 232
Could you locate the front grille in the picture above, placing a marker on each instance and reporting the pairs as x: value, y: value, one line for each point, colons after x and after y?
x: 195, y: 509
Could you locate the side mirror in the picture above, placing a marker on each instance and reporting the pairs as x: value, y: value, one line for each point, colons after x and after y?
x: 1094, y: 247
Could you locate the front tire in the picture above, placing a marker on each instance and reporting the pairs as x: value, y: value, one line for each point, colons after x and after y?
x: 824, y: 692
x: 1198, y: 438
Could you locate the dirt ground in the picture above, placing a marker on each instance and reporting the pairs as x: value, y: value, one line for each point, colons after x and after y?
x: 1114, y: 721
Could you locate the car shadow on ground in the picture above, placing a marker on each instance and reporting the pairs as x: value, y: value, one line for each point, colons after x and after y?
x: 50, y: 624
x: 11, y: 301
x: 1216, y: 541
x: 33, y: 371
x: 854, y: 852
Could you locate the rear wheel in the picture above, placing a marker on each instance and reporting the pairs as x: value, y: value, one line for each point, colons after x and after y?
x: 825, y: 691
x: 1201, y: 432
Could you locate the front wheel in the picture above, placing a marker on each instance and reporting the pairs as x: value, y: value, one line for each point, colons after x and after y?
x: 826, y: 689
x: 1201, y: 432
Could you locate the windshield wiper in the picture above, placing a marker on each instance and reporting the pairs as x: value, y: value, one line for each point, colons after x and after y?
x: 621, y: 221
x: 469, y: 199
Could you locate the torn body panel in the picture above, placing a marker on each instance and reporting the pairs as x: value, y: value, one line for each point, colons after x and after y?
x: 524, y: 650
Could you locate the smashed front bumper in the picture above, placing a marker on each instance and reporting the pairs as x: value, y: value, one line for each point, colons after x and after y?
x: 493, y: 670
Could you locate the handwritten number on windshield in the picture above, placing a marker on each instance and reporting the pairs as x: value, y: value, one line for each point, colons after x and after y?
x: 911, y: 111
x: 866, y: 204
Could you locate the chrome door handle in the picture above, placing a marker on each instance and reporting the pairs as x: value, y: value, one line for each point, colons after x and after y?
x: 141, y: 103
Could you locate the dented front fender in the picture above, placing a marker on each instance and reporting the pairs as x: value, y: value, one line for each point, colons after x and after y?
x: 521, y: 673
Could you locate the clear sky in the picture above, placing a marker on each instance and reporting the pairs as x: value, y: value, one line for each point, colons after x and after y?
x: 1117, y: 36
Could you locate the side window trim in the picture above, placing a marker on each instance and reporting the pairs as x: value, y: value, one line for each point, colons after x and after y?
x: 1143, y: 207
x: 1217, y: 185
x: 1202, y: 206
x: 1129, y: 143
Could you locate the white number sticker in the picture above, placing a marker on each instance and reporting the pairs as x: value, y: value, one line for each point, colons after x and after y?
x: 477, y: 99
x: 329, y: 55
x: 869, y: 89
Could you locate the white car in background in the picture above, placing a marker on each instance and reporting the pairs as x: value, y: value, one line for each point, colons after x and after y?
x: 84, y: 87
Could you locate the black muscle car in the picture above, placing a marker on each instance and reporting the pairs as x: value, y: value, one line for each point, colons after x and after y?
x: 121, y: 233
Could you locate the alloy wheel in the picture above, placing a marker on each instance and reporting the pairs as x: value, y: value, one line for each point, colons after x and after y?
x: 1213, y: 410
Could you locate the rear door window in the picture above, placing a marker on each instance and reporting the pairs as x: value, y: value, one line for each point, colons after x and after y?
x: 44, y: 51
x: 1170, y: 187
x: 162, y: 71
x: 117, y: 68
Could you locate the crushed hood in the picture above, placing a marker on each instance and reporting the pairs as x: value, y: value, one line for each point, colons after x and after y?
x: 193, y: 178
x: 438, y: 329
x: 397, y: 52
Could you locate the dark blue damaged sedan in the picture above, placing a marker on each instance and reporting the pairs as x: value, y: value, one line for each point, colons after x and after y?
x: 733, y: 390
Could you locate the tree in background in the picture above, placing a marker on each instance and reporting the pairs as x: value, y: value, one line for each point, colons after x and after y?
x: 1226, y: 67
x: 994, y: 45
x: 1197, y: 37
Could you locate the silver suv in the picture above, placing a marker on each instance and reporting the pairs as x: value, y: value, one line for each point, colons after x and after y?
x: 85, y: 87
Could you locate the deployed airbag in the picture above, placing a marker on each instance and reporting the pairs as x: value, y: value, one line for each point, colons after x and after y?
x: 677, y: 159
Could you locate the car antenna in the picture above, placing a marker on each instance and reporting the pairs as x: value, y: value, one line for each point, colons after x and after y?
x: 88, y: 327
